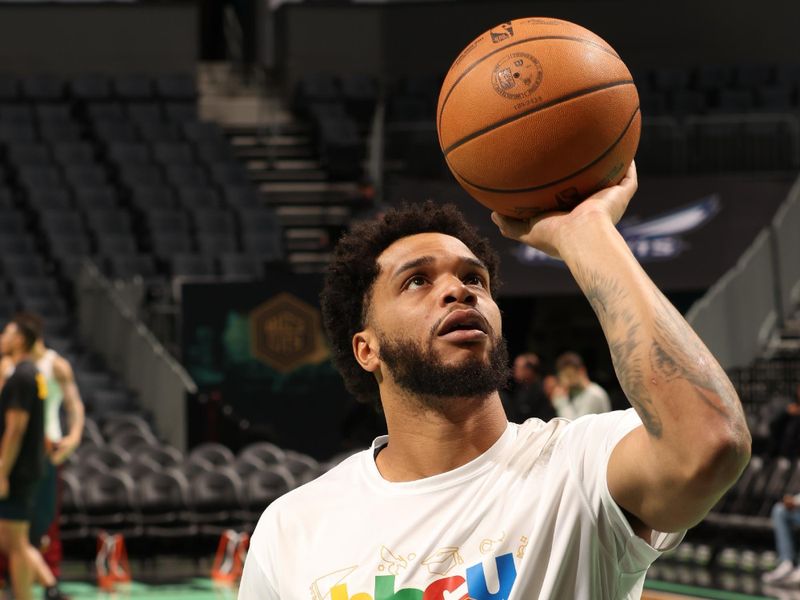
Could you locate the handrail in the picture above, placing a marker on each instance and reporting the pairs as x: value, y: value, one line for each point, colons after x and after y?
x: 110, y: 326
x: 739, y: 315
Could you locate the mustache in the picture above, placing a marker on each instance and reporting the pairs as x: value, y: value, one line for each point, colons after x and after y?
x: 438, y: 324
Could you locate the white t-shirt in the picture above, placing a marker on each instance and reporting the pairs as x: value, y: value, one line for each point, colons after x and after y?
x: 591, y: 400
x: 532, y: 517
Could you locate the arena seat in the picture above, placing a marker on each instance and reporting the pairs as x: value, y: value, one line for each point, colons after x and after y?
x: 140, y: 468
x: 73, y: 153
x: 173, y: 153
x: 73, y: 521
x: 49, y: 199
x: 191, y: 265
x: 91, y: 433
x: 128, y: 267
x: 110, y: 504
x: 133, y: 87
x: 267, y: 452
x: 263, y: 487
x: 166, y: 456
x: 240, y: 266
x: 162, y: 500
x: 116, y: 244
x: 193, y: 466
x: 216, y: 454
x: 216, y: 499
x: 301, y: 466
x: 132, y: 440
x: 246, y: 465
x: 90, y: 87
x: 191, y: 198
x: 214, y: 244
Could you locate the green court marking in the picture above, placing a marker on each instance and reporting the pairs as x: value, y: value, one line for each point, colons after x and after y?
x: 198, y: 589
x: 690, y: 590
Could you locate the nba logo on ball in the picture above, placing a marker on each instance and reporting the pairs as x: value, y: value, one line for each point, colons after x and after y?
x: 519, y: 72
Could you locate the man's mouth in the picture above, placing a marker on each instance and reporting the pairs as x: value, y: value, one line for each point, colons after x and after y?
x: 464, y: 325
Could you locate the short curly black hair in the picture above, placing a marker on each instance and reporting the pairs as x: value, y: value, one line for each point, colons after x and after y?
x: 352, y: 272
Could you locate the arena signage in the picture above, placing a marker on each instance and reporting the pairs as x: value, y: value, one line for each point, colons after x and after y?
x: 657, y: 238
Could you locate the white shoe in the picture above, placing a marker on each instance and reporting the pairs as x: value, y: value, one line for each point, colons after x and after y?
x: 792, y: 578
x: 779, y: 573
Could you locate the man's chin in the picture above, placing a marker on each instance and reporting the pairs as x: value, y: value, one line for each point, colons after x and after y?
x: 454, y: 354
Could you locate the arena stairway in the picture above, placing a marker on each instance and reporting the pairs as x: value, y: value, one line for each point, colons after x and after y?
x: 312, y: 208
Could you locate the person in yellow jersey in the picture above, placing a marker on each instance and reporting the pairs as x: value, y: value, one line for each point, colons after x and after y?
x: 61, y: 391
x: 22, y: 450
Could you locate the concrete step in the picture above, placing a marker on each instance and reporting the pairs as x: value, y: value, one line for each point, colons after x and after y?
x: 265, y: 164
x: 272, y: 153
x: 348, y: 187
x: 309, y: 262
x: 250, y: 140
x: 295, y: 175
x: 315, y: 199
x: 312, y: 216
x: 307, y: 239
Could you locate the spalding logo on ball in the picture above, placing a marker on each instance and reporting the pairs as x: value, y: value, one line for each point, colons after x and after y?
x: 536, y: 115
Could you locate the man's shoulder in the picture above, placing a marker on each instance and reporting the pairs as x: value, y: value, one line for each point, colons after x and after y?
x: 24, y: 371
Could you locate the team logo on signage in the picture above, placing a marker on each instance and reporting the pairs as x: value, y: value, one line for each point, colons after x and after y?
x: 286, y: 333
x: 658, y: 238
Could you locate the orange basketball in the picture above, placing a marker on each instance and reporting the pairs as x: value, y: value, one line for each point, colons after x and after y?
x: 536, y: 115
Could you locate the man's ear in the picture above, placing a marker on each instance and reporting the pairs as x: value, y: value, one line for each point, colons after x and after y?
x: 365, y: 349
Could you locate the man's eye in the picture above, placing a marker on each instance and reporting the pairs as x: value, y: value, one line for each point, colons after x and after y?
x: 416, y: 281
x: 474, y: 279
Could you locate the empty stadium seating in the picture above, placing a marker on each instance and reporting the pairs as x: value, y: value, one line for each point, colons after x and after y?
x: 124, y: 480
x: 96, y: 157
x: 708, y: 119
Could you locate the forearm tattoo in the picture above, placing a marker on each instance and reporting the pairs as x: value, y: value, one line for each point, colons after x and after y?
x: 661, y: 348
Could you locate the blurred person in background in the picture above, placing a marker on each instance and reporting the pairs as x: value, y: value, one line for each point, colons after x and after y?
x: 574, y: 394
x: 784, y: 429
x: 61, y: 391
x: 527, y: 399
x: 785, y: 517
x: 22, y: 451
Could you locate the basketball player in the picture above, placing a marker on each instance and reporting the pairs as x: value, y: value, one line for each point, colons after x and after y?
x: 456, y: 501
x: 22, y: 452
x: 61, y: 389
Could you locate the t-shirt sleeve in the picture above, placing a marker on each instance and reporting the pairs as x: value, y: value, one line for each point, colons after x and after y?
x: 258, y: 581
x: 21, y: 392
x: 589, y: 442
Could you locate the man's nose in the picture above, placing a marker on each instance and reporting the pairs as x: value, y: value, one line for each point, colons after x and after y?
x: 456, y: 291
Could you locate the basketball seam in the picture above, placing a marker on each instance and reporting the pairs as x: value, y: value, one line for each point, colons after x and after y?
x: 557, y: 181
x: 535, y: 109
x: 522, y: 41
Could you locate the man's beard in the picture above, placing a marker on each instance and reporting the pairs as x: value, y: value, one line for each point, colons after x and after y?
x: 420, y: 371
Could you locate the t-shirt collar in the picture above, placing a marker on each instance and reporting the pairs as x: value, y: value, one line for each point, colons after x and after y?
x: 467, y: 471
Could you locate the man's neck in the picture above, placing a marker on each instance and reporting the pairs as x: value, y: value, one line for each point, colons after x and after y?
x: 38, y: 351
x: 423, y: 443
x: 582, y: 385
x: 18, y: 357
